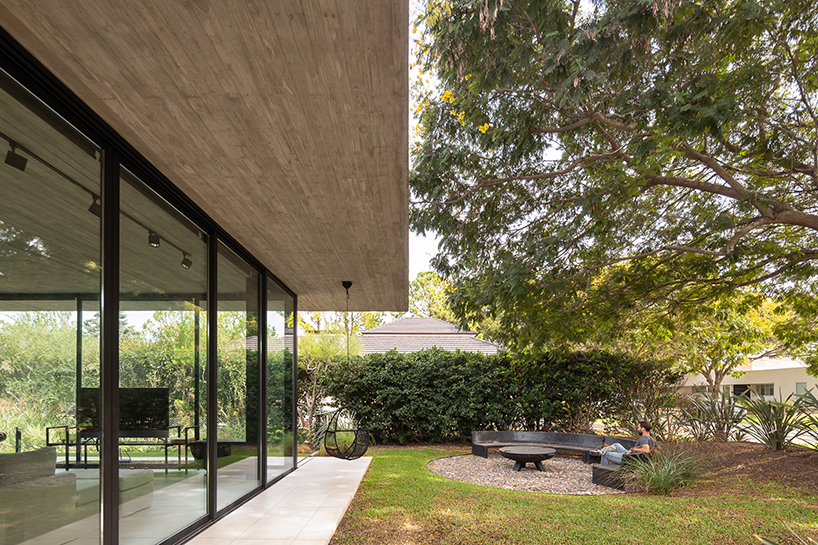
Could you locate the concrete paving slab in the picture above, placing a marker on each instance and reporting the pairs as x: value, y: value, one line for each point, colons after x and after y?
x: 304, y: 508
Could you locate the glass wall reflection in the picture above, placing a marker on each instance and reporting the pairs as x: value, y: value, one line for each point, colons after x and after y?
x: 280, y: 360
x: 162, y: 367
x: 50, y: 332
x: 239, y: 378
x: 49, y: 337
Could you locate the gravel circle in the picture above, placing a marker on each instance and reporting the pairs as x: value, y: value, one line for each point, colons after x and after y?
x: 563, y: 474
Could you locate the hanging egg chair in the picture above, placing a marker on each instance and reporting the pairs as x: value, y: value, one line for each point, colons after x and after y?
x: 342, y: 437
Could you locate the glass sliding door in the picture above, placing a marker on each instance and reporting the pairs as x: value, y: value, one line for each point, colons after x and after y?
x: 162, y: 367
x: 239, y: 378
x: 50, y: 244
x: 280, y: 360
x: 54, y: 185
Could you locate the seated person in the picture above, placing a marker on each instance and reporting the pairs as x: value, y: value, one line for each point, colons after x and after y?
x: 613, y: 453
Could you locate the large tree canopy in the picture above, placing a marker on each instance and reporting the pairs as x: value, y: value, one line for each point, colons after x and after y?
x: 644, y: 153
x: 428, y: 297
x: 716, y: 339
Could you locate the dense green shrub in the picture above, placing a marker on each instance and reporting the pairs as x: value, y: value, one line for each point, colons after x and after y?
x: 583, y: 387
x: 649, y: 390
x: 434, y: 395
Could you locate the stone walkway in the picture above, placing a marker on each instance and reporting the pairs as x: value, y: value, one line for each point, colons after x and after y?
x: 304, y: 508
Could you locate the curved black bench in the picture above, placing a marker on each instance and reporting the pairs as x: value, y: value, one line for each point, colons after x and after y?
x: 609, y: 475
x: 482, y: 441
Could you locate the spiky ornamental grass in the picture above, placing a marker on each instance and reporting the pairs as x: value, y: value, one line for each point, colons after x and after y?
x: 713, y: 417
x: 664, y: 472
x: 775, y: 423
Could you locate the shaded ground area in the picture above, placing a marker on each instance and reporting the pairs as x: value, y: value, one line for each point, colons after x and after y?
x: 744, y: 490
x: 731, y: 465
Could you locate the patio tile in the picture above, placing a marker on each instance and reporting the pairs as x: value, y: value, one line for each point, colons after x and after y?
x: 302, y: 509
x: 199, y: 540
x: 322, y: 524
x: 264, y: 542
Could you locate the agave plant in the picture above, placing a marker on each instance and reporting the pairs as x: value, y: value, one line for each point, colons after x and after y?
x: 775, y: 423
x: 697, y: 428
x: 809, y: 401
x: 713, y: 417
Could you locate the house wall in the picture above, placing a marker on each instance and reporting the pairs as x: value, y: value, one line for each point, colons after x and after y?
x: 784, y: 381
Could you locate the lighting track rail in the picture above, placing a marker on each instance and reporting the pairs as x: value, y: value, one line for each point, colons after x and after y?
x: 154, y: 238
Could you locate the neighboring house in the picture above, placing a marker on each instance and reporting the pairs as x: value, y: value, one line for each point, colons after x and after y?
x: 770, y: 377
x: 415, y: 334
x: 274, y: 344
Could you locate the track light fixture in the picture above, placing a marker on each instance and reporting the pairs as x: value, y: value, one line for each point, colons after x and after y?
x: 186, y: 262
x: 96, y: 207
x: 17, y: 161
x: 153, y: 239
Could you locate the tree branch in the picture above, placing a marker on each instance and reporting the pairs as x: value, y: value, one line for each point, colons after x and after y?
x: 544, y: 176
x: 594, y: 117
x: 730, y: 247
x: 723, y: 173
x: 797, y: 76
x: 716, y: 189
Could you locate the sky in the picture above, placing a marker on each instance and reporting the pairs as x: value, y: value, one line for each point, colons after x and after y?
x: 421, y: 250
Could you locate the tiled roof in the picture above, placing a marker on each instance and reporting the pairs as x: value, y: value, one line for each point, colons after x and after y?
x: 274, y: 344
x: 414, y: 325
x: 378, y: 344
x: 414, y: 334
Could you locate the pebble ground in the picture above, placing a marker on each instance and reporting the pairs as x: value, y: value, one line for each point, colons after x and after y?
x: 565, y: 475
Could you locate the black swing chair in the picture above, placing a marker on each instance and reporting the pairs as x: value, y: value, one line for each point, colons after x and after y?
x: 343, y: 438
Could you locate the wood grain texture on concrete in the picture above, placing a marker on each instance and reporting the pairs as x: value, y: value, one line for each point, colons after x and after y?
x: 286, y: 122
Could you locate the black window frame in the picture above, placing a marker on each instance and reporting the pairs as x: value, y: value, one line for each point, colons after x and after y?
x: 31, y: 74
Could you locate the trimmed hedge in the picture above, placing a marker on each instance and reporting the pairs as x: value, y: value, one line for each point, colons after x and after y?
x: 435, y: 395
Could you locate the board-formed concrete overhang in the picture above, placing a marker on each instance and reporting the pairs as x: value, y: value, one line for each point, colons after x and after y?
x: 286, y: 122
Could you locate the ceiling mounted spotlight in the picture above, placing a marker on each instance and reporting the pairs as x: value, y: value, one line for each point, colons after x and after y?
x: 153, y: 239
x: 186, y: 262
x: 96, y: 207
x: 17, y: 161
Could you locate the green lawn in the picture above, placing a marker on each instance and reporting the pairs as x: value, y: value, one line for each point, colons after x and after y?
x: 401, y: 501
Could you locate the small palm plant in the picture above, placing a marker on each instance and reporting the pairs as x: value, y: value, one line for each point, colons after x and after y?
x: 714, y: 417
x: 775, y: 423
